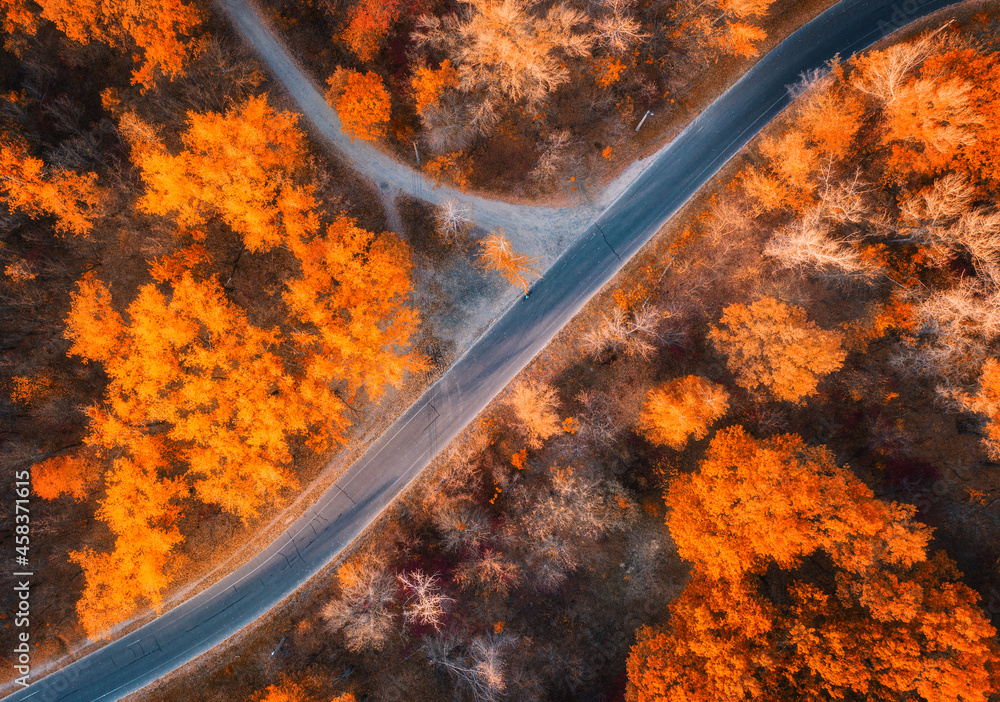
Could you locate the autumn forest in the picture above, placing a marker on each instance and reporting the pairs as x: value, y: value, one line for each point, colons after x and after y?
x: 763, y: 463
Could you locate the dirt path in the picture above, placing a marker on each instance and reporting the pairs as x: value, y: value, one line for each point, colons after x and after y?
x: 538, y: 231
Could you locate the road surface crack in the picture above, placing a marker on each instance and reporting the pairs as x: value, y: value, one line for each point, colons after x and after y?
x: 607, y: 242
x: 346, y: 495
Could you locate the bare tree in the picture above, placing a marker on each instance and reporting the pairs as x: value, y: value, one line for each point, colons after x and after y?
x: 489, y: 573
x: 810, y: 80
x: 727, y: 218
x: 602, y: 424
x: 447, y: 124
x: 477, y: 667
x: 842, y: 200
x: 944, y: 219
x: 808, y: 244
x: 550, y: 561
x: 425, y: 604
x: 948, y: 198
x: 506, y: 52
x: 629, y: 333
x: 362, y: 611
x: 557, y: 157
x: 979, y: 232
x: 882, y: 73
x: 962, y: 323
x: 453, y: 218
x: 462, y: 527
x: 551, y: 526
x: 616, y: 27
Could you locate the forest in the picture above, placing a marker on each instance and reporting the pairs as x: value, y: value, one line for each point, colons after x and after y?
x: 761, y: 464
x: 531, y: 99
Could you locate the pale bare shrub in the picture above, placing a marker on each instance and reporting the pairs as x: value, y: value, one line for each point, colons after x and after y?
x: 425, y: 604
x: 362, y: 611
x: 453, y: 219
x: 842, y: 200
x: 602, y: 424
x: 489, y: 573
x: 727, y: 218
x: 503, y: 50
x: 882, y: 73
x: 629, y: 333
x: 557, y: 158
x: 616, y: 27
x: 462, y: 528
x: 447, y: 125
x: 944, y: 219
x: 807, y: 244
x: 477, y: 667
x: 961, y: 324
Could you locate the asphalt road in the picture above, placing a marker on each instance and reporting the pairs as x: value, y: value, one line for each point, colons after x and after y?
x: 395, y: 459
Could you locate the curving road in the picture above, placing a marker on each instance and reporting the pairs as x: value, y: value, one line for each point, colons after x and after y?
x: 395, y: 459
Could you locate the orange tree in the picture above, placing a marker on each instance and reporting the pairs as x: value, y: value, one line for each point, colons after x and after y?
x: 977, y: 153
x: 369, y: 21
x: 825, y: 124
x: 429, y: 84
x: 29, y: 186
x: 352, y: 293
x: 214, y: 401
x: 723, y: 26
x: 496, y: 253
x: 772, y: 345
x: 220, y: 400
x: 242, y: 167
x: 141, y: 508
x: 187, y: 364
x: 805, y: 586
x: 362, y: 102
x: 685, y: 407
x: 986, y: 402
x: 753, y: 502
x: 159, y: 32
x: 63, y: 475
